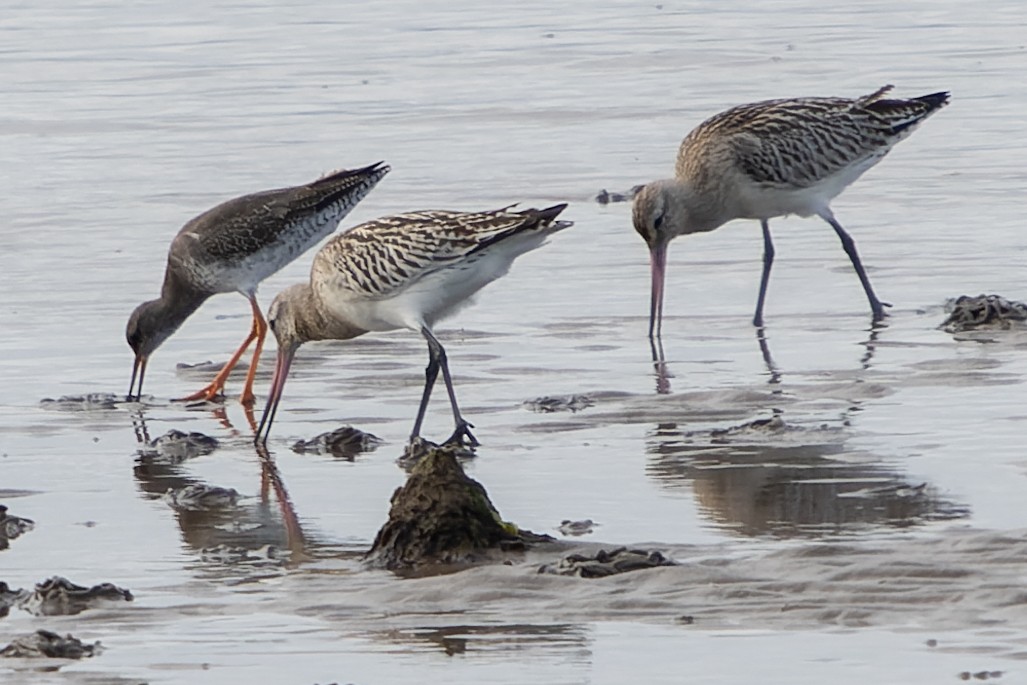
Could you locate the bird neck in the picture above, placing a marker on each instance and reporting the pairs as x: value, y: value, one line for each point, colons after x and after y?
x: 699, y: 209
x: 313, y: 321
x: 178, y: 299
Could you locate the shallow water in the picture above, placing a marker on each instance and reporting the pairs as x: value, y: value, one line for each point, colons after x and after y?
x: 886, y: 512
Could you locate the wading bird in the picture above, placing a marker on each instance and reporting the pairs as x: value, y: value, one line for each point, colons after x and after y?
x: 769, y: 159
x: 403, y: 271
x: 232, y: 248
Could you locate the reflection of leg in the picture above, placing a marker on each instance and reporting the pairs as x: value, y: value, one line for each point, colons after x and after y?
x: 871, y: 343
x: 463, y: 428
x: 768, y: 261
x: 222, y: 417
x: 139, y: 427
x: 761, y: 338
x: 295, y: 541
x: 849, y: 245
x: 250, y: 418
x: 660, y: 366
x: 212, y: 391
x: 260, y: 327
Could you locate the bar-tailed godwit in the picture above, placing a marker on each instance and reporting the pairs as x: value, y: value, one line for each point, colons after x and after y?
x: 769, y: 159
x: 232, y: 248
x: 403, y: 271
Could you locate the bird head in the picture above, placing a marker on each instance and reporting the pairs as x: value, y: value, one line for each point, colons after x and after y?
x: 147, y: 328
x: 286, y: 320
x: 658, y: 216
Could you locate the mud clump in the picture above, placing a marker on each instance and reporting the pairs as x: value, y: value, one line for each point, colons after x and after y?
x: 550, y: 405
x: 12, y: 527
x: 605, y: 197
x: 200, y: 497
x: 60, y: 597
x: 228, y: 555
x: 603, y: 563
x: 441, y: 516
x: 576, y: 528
x: 90, y: 402
x: 984, y: 311
x: 8, y: 598
x: 346, y: 442
x: 44, y: 643
x: 176, y: 446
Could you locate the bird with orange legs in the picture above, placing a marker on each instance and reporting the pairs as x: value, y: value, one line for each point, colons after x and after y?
x: 232, y: 248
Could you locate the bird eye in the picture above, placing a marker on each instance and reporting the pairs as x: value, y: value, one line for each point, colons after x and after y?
x: 658, y: 221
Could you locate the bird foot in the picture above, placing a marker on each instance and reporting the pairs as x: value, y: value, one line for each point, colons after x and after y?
x: 879, y: 312
x: 463, y: 430
x: 209, y: 394
x: 418, y: 448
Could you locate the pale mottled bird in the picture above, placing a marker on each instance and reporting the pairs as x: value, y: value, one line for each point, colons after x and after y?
x: 232, y: 248
x: 403, y: 271
x: 769, y: 159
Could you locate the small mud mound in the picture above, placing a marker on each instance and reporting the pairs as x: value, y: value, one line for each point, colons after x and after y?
x: 576, y: 528
x: 12, y: 527
x: 43, y: 643
x: 992, y: 312
x: 440, y: 516
x: 176, y: 446
x: 605, y: 197
x: 60, y: 597
x: 603, y: 563
x: 228, y: 555
x: 94, y: 401
x: 200, y: 497
x: 346, y: 442
x: 550, y: 405
x: 8, y: 598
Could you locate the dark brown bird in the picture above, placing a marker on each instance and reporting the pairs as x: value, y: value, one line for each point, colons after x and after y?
x: 232, y: 248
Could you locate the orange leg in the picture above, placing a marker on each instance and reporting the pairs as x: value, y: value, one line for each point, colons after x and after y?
x: 260, y: 329
x: 217, y: 386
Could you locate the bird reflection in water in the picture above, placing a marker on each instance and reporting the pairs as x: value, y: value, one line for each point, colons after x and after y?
x: 663, y: 374
x: 240, y: 529
x: 768, y: 477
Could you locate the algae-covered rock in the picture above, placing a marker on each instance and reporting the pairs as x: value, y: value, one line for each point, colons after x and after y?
x: 441, y: 516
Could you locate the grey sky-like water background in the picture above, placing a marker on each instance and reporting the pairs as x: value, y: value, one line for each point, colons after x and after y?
x: 888, y: 512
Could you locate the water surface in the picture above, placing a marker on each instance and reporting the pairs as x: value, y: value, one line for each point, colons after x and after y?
x: 887, y: 512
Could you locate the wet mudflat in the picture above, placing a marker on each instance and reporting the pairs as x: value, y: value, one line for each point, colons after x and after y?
x: 842, y: 504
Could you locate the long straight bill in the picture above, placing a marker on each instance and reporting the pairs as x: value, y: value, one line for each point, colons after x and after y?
x: 284, y: 361
x: 658, y: 265
x: 138, y: 371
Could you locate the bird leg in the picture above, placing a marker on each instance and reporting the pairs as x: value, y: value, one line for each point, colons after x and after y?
x: 876, y: 306
x: 436, y: 361
x: 217, y: 386
x: 768, y: 260
x: 260, y: 326
x: 430, y: 374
